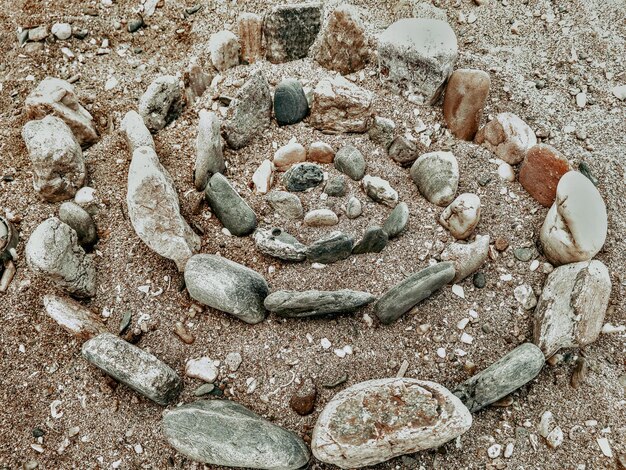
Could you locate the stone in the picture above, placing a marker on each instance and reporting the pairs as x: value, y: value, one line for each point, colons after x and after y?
x: 436, y: 175
x: 416, y: 56
x: 134, y: 367
x: 196, y: 81
x: 303, y: 400
x: 154, y: 210
x: 571, y: 308
x: 249, y: 113
x: 320, y: 152
x: 290, y: 31
x: 263, y: 177
x: 285, y: 204
x: 479, y: 280
x: 576, y: 225
x: 209, y: 156
x: 80, y: 220
x: 354, y: 208
x: 549, y: 430
x: 201, y: 368
x: 279, y: 244
x: 334, y: 247
x: 541, y: 172
x: 315, y: 303
x: 508, y: 137
x: 161, y: 103
x: 229, y: 207
x: 233, y: 360
x: 467, y: 257
x: 303, y: 176
x: 464, y: 101
x: 290, y: 103
x: 397, y: 220
x: 288, y: 155
x: 136, y: 132
x: 336, y: 186
x: 57, y: 161
x: 224, y: 50
x: 57, y: 97
x: 415, y: 415
x: 380, y: 190
x: 224, y: 433
x: 250, y: 32
x: 340, y: 106
x: 374, y: 241
x: 408, y: 293
x: 73, y: 317
x: 349, y: 160
x: 53, y: 250
x: 524, y: 254
x: 619, y: 92
x: 402, y: 151
x: 342, y: 44
x: 321, y: 218
x: 506, y: 172
x: 525, y: 295
x: 38, y: 34
x: 227, y: 286
x: 62, y: 31
x: 462, y: 216
x: 381, y: 131
x: 501, y: 378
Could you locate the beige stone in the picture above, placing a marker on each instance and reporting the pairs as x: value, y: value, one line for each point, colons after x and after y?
x: 288, y: 155
x: 250, y: 32
x: 73, y: 317
x: 462, y: 216
x: 508, y: 137
x: 320, y: 152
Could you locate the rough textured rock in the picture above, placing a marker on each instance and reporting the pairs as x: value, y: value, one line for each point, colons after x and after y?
x: 340, y: 106
x: 133, y: 367
x: 288, y: 155
x: 336, y: 186
x: 320, y: 218
x: 53, y: 251
x: 303, y: 400
x: 225, y: 433
x: 436, y: 175
x: 279, y: 244
x: 463, y: 104
x: 224, y: 50
x: 380, y: 190
x: 576, y: 225
x: 227, y: 286
x: 416, y: 56
x: 402, y: 151
x: 467, y: 257
x: 202, y: 368
x: 374, y: 241
x: 349, y: 160
x: 541, y: 172
x: 263, y: 177
x: 137, y: 134
x: 56, y: 158
x: 209, y: 156
x: 286, y: 204
x: 414, y: 414
x: 290, y: 103
x: 397, y: 220
x: 154, y: 210
x: 57, y: 97
x: 330, y: 249
x: 250, y: 32
x: 320, y: 152
x: 196, y: 81
x: 249, y: 113
x: 508, y: 137
x: 570, y: 312
x: 406, y: 294
x: 381, y: 131
x: 73, y: 317
x: 343, y: 41
x: 502, y: 377
x: 462, y: 216
x: 303, y: 176
x: 161, y: 103
x: 290, y: 30
x: 229, y: 207
x: 312, y: 303
x: 80, y: 220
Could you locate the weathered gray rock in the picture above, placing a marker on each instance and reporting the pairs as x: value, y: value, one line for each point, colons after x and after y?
x: 224, y: 50
x: 209, y: 157
x: 504, y: 376
x: 290, y: 31
x: 80, y: 220
x: 349, y: 160
x: 249, y: 113
x: 467, y: 257
x: 53, y: 251
x: 354, y: 208
x: 336, y: 186
x: 56, y: 157
x: 303, y: 176
x: 332, y: 248
x: 227, y: 286
x: 381, y: 131
x: 406, y: 294
x: 134, y: 367
x: 570, y: 312
x: 380, y: 190
x: 286, y: 204
x: 414, y: 414
x: 279, y: 244
x: 313, y: 303
x: 374, y: 241
x: 154, y: 210
x: 225, y: 433
x: 397, y: 220
x: 290, y: 103
x: 73, y: 317
x: 402, y: 151
x: 137, y: 134
x: 436, y: 175
x: 232, y: 210
x: 161, y: 103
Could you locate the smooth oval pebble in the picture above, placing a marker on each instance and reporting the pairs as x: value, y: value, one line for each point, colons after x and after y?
x: 229, y: 207
x: 321, y: 218
x: 349, y: 160
x: 463, y: 104
x: 80, y: 220
x: 290, y: 103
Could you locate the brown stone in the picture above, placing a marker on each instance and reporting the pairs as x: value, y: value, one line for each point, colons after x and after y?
x: 403, y: 151
x: 501, y: 244
x: 73, y: 317
x: 541, y: 171
x: 465, y: 98
x: 508, y: 137
x: 320, y: 152
x: 250, y: 32
x: 303, y: 400
x: 196, y: 81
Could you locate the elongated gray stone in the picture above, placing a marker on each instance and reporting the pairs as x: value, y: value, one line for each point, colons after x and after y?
x: 234, y: 213
x: 279, y: 244
x: 137, y: 134
x: 134, y: 367
x: 332, y: 248
x: 312, y: 303
x: 374, y: 241
x: 161, y: 103
x: 405, y: 295
x: 209, y: 158
x: 397, y: 220
x: 505, y: 376
x: 224, y: 433
x: 227, y: 286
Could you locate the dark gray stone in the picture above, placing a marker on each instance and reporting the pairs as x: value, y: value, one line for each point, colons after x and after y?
x: 336, y: 186
x: 479, y: 280
x: 405, y: 295
x: 334, y: 247
x: 374, y: 241
x: 290, y: 30
x: 290, y: 103
x: 227, y: 434
x: 234, y: 213
x: 279, y: 244
x: 133, y: 367
x: 294, y: 304
x: 506, y: 375
x: 349, y: 160
x: 303, y: 176
x: 403, y: 151
x: 397, y: 220
x: 80, y: 220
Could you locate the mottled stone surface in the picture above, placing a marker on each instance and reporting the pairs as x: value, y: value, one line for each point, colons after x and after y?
x: 288, y: 155
x: 508, y: 137
x: 467, y: 257
x: 225, y: 433
x: 303, y: 176
x: 290, y: 103
x: 224, y: 50
x: 462, y: 216
x: 374, y: 241
x: 381, y: 131
x: 133, y: 367
x: 541, y: 172
x: 73, y: 317
x: 209, y: 156
x: 336, y: 186
x: 279, y: 244
x: 137, y: 134
x: 250, y: 32
x: 80, y: 220
x: 354, y: 208
x: 286, y: 204
x: 349, y: 160
x: 196, y: 80
x: 403, y: 151
x: 290, y: 31
x: 303, y: 399
x: 436, y: 175
x: 397, y: 220
x: 330, y: 249
x: 161, y: 103
x: 379, y: 190
x: 463, y: 104
x: 229, y: 207
x: 374, y: 421
x: 312, y: 303
x: 502, y: 377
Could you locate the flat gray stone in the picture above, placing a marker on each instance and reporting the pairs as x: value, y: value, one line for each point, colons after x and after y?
x: 336, y: 186
x: 374, y: 241
x: 232, y: 210
x: 397, y: 220
x: 332, y: 248
x: 80, y: 220
x: 349, y: 160
x: 286, y: 204
x: 303, y: 176
x: 312, y: 303
x: 209, y: 157
x: 354, y: 208
x: 161, y: 103
x: 290, y: 31
x: 279, y: 244
x: 290, y: 103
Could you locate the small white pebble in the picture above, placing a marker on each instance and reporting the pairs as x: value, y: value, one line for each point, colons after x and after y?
x: 605, y: 447
x: 534, y: 265
x: 494, y: 451
x: 463, y: 323
x: 138, y: 449
x: 368, y: 320
x: 467, y: 339
x: 325, y: 342
x: 441, y: 352
x: 506, y: 277
x: 508, y: 451
x: 340, y: 352
x: 458, y: 291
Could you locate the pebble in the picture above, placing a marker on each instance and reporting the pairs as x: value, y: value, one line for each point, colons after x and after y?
x: 397, y: 220
x: 290, y: 103
x: 479, y: 280
x: 62, y: 31
x: 279, y: 244
x: 349, y: 160
x: 290, y: 30
x: 80, y: 220
x: 137, y: 134
x: 462, y: 216
x: 541, y: 172
x: 374, y: 241
x: 524, y: 254
x: 73, y: 317
x: 525, y: 295
x: 436, y: 175
x: 320, y: 152
x: 506, y: 172
x: 229, y: 207
x: 315, y: 303
x: 263, y: 177
x: 224, y: 50
x: 402, y: 151
x: 336, y: 186
x: 494, y: 451
x: 303, y: 399
x: 380, y: 190
x: 232, y: 361
x: 250, y: 33
x: 466, y: 93
x: 354, y: 208
x: 468, y: 258
x: 321, y: 218
x: 508, y: 137
x: 135, y: 25
x: 203, y: 389
x: 201, y: 368
x: 288, y: 155
x: 381, y: 131
x: 209, y: 156
x: 550, y: 431
x: 303, y: 176
x: 38, y: 34
x: 285, y: 204
x: 161, y: 103
x: 619, y: 92
x: 330, y: 249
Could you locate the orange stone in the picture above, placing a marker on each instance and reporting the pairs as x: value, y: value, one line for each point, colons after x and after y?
x: 250, y: 32
x: 541, y: 171
x: 463, y: 104
x: 321, y: 152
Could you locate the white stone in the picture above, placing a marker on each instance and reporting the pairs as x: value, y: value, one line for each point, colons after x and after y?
x: 354, y: 208
x: 137, y: 134
x: 506, y: 172
x: 202, y: 368
x: 224, y: 50
x: 288, y: 155
x: 508, y: 137
x: 494, y: 451
x: 525, y: 295
x: 111, y: 83
x: 380, y: 190
x: 619, y: 92
x: 467, y: 257
x: 73, y: 317
x: 262, y: 177
x: 462, y: 216
x: 320, y: 218
x: 233, y: 361
x: 62, y: 31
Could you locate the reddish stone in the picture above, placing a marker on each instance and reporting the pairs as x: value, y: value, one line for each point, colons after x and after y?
x: 465, y: 98
x: 250, y: 32
x: 303, y: 400
x: 541, y: 171
x: 320, y: 152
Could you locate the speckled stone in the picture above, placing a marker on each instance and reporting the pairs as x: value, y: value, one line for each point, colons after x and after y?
x: 303, y: 176
x: 279, y: 244
x: 374, y: 241
x: 313, y: 303
x: 336, y: 186
x: 290, y: 30
x: 286, y: 204
x: 541, y: 172
x: 402, y: 151
x: 349, y: 160
x: 436, y: 175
